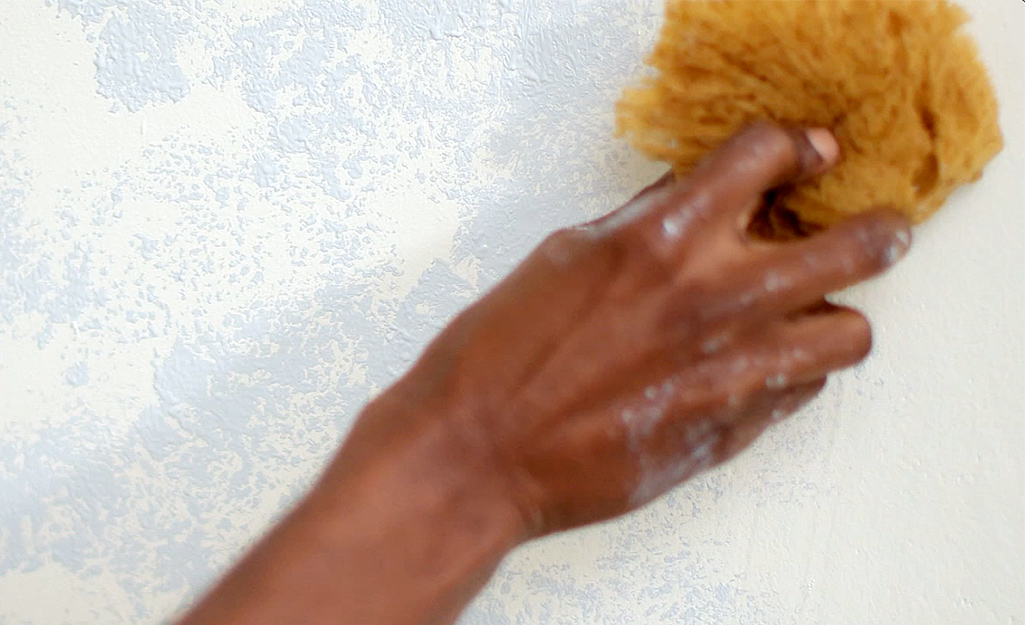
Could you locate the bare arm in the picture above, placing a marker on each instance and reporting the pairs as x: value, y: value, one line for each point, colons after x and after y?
x: 621, y: 358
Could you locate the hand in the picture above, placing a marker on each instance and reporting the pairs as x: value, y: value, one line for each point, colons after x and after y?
x: 626, y: 355
x: 619, y: 359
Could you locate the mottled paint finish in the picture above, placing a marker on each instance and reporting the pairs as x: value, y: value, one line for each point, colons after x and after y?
x: 225, y: 225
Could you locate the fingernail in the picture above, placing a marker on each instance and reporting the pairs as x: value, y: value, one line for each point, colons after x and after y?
x: 824, y: 143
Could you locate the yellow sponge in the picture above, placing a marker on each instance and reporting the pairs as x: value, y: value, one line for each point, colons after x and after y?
x: 898, y: 81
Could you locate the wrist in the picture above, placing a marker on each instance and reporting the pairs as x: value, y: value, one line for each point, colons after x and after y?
x: 419, y: 505
x: 402, y: 528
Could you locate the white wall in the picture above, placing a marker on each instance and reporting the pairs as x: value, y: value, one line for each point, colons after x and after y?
x: 224, y: 225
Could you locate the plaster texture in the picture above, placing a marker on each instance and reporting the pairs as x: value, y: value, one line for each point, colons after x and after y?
x: 225, y: 225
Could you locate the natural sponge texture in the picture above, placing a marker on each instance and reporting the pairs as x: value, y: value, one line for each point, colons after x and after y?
x: 898, y: 81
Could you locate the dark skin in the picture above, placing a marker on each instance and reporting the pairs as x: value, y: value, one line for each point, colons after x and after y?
x: 618, y: 360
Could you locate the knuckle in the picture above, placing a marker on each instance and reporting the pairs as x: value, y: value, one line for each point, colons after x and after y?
x: 561, y: 238
x: 765, y: 131
x: 643, y: 252
x: 769, y: 140
x: 562, y: 246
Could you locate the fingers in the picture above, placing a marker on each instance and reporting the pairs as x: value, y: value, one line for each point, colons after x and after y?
x: 672, y: 448
x: 633, y: 211
x: 779, y: 279
x: 729, y: 184
x: 705, y: 416
x: 727, y: 187
x: 789, y: 354
x: 762, y: 157
x: 861, y: 248
x: 796, y: 352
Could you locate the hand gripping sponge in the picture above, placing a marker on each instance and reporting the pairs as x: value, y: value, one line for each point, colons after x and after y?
x: 899, y: 82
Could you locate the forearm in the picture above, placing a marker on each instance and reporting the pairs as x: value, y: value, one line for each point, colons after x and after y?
x: 408, y: 539
x: 621, y: 358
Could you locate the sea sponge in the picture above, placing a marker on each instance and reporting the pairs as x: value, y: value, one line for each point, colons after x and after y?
x: 900, y: 84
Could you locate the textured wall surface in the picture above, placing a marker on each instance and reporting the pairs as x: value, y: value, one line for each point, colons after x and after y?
x: 224, y: 225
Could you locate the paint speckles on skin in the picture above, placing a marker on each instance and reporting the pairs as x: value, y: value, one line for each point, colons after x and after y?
x: 642, y: 418
x: 658, y: 477
x: 632, y: 212
x: 904, y: 238
x: 715, y: 344
x: 774, y: 281
x: 894, y: 253
x: 658, y: 474
x: 675, y: 224
x: 740, y: 365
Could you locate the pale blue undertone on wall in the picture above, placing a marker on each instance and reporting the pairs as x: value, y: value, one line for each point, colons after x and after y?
x: 225, y: 225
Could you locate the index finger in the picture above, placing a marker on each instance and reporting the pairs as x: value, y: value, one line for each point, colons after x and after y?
x: 783, y: 279
x: 729, y: 185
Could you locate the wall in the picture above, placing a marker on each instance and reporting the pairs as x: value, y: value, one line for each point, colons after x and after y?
x: 223, y: 225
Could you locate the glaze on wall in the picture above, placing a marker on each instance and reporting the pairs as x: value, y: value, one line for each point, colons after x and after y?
x: 225, y: 225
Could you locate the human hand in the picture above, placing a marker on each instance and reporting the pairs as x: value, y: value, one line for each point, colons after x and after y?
x: 625, y: 355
